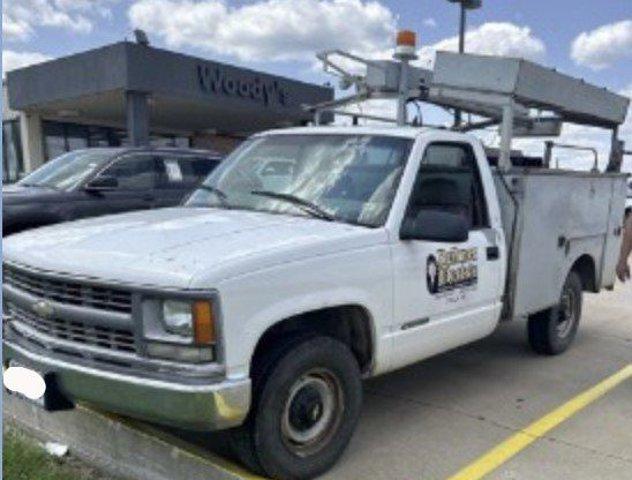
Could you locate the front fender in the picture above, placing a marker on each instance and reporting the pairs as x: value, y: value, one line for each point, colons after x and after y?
x: 253, y: 303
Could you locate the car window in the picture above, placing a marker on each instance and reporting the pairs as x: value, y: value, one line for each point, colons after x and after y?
x: 449, y: 180
x: 183, y: 171
x: 69, y: 170
x: 133, y: 172
x: 203, y: 166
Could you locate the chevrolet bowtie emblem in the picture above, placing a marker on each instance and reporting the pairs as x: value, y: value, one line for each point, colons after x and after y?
x: 43, y: 309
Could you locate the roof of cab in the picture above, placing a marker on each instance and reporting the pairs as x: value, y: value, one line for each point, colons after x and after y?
x: 392, y: 131
x: 155, y: 149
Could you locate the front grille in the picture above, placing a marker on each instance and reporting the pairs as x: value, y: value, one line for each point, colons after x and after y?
x: 119, y: 340
x: 68, y: 292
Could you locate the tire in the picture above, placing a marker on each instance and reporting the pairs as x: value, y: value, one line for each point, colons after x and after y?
x: 306, y: 403
x: 552, y: 331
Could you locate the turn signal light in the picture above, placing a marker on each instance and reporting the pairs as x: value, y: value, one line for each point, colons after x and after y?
x: 203, y: 323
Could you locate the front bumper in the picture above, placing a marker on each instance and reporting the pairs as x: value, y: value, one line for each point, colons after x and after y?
x: 215, y: 406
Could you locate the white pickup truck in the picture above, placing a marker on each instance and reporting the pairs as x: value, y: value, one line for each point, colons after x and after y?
x: 310, y: 259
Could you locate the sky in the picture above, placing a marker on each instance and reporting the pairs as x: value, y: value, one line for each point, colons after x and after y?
x: 591, y: 39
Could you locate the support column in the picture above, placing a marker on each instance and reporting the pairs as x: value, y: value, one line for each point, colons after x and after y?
x: 137, y: 110
x: 402, y: 96
x: 31, y: 137
x: 617, y: 150
x: 506, y: 134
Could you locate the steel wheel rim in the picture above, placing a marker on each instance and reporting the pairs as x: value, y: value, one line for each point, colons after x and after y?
x: 312, y: 412
x: 567, y: 314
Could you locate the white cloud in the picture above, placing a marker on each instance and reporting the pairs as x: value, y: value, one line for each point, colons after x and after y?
x: 492, y: 38
x: 267, y: 30
x: 20, y: 18
x: 12, y: 59
x: 602, y: 47
x: 430, y: 22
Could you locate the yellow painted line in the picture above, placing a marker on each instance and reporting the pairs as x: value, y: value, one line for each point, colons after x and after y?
x: 500, y: 454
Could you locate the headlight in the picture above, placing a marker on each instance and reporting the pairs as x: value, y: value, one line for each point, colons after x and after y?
x: 179, y: 329
x: 177, y: 318
x: 192, y: 320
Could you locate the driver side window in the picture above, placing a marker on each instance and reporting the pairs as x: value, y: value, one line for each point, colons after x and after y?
x: 134, y: 173
x: 449, y: 180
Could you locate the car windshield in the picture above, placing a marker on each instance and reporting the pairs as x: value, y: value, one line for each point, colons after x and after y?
x: 346, y: 178
x: 67, y: 171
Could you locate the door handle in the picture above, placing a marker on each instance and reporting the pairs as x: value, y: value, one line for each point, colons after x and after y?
x: 493, y: 253
x: 148, y: 197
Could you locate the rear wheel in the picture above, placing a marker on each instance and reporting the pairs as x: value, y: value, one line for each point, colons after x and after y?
x: 552, y: 331
x: 306, y: 405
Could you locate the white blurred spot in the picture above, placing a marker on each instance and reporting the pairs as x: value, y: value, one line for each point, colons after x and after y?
x: 56, y: 449
x: 24, y: 381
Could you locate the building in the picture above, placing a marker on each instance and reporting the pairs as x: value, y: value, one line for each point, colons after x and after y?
x: 133, y: 94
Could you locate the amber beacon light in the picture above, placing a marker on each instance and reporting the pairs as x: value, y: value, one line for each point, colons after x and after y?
x: 406, y: 45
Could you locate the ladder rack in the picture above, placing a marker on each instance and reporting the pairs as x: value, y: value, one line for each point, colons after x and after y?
x: 500, y: 91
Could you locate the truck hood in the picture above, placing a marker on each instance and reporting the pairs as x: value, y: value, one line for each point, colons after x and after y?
x: 174, y: 247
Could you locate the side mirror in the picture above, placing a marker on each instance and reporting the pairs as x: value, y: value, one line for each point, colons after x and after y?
x: 102, y: 183
x: 436, y: 226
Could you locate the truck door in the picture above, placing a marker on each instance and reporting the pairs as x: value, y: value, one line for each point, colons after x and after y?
x: 447, y: 294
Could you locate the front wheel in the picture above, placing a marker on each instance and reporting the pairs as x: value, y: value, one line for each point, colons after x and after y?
x: 552, y: 331
x: 307, y: 402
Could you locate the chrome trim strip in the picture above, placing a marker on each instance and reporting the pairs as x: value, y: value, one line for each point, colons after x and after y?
x: 59, y: 343
x: 88, y: 315
x: 56, y: 364
x: 138, y: 364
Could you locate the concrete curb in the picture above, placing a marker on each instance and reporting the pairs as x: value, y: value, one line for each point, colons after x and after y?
x: 121, y: 446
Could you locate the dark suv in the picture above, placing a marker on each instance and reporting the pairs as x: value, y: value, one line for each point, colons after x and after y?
x: 99, y: 181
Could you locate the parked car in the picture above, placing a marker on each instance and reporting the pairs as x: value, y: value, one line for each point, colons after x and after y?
x: 98, y: 181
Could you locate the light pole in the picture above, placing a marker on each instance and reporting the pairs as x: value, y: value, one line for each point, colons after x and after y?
x: 465, y: 5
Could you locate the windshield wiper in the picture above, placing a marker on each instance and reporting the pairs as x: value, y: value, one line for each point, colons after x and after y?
x: 215, y: 190
x: 306, y: 205
x: 220, y: 193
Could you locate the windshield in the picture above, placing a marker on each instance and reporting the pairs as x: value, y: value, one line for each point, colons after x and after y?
x: 67, y: 171
x: 346, y: 178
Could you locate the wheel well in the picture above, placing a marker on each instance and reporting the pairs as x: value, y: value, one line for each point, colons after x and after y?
x: 585, y: 267
x: 350, y: 324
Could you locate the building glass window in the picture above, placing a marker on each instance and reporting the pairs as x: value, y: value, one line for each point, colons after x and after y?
x: 54, y: 140
x: 61, y: 137
x: 12, y: 160
x: 76, y: 136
